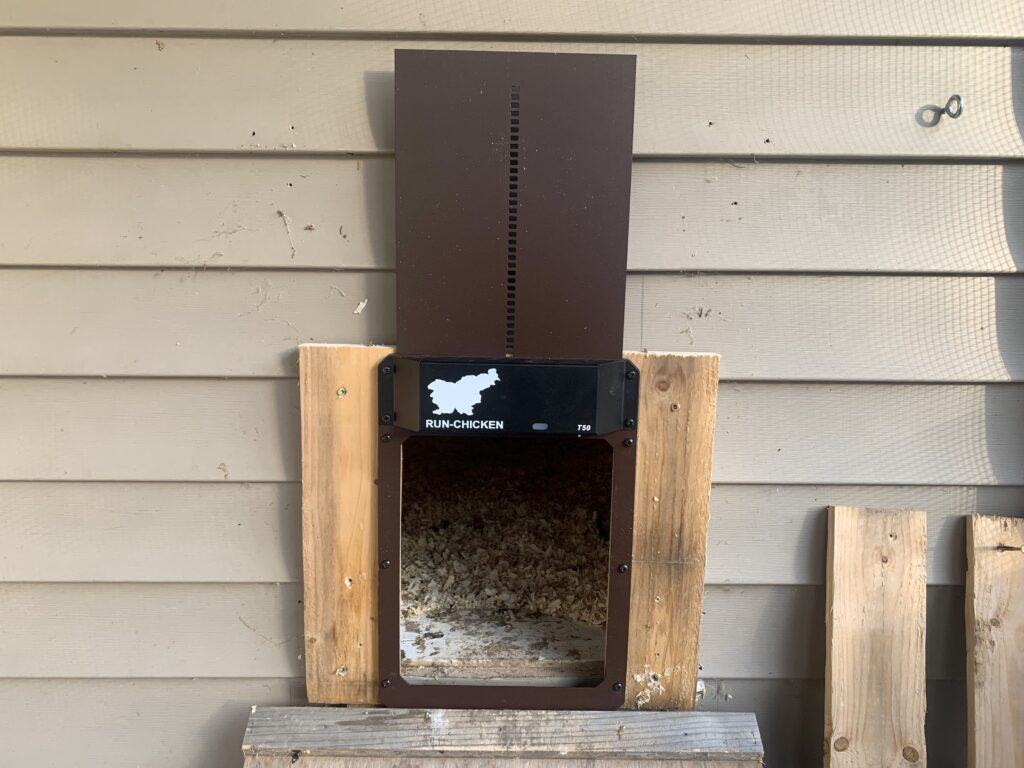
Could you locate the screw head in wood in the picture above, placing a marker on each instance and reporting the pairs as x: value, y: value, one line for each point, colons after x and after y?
x: 385, y: 683
x: 623, y: 568
x: 342, y: 391
x: 630, y: 374
x: 628, y: 442
x: 911, y: 755
x: 841, y: 744
x: 385, y: 438
x: 617, y: 686
x: 385, y: 564
x: 630, y: 423
x: 386, y: 418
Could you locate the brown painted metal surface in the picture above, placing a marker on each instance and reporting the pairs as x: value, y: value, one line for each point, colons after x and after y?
x: 513, y: 178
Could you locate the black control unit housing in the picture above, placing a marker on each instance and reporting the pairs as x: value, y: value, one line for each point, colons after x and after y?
x: 458, y: 396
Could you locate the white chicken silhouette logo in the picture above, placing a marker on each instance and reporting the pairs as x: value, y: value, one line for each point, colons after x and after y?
x: 463, y: 395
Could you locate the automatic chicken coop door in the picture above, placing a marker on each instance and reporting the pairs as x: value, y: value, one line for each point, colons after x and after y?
x: 507, y: 416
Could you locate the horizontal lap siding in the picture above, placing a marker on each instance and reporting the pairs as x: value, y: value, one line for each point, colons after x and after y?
x: 112, y: 93
x: 153, y: 613
x: 928, y: 329
x: 250, y: 532
x: 255, y: 630
x: 247, y: 430
x: 143, y: 723
x: 761, y: 18
x: 221, y: 212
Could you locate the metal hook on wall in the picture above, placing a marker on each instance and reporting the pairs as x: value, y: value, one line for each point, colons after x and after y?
x: 954, y: 106
x: 929, y: 115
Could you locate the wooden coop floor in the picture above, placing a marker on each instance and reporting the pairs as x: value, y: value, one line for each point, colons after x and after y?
x: 483, y: 647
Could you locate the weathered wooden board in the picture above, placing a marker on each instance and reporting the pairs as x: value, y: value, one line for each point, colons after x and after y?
x: 289, y: 761
x: 189, y: 429
x: 947, y: 329
x: 658, y: 18
x: 546, y: 737
x: 250, y: 532
x: 304, y: 95
x: 995, y: 642
x: 670, y: 527
x: 220, y: 212
x: 875, y: 638
x: 339, y: 507
x: 150, y: 723
x: 339, y: 520
x: 255, y: 630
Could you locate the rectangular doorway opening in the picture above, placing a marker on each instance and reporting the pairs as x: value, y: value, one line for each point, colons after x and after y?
x: 504, y: 570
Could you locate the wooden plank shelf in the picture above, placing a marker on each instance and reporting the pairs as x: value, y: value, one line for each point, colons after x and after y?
x: 329, y: 737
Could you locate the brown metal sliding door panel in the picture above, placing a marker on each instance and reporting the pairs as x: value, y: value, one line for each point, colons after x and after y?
x: 513, y: 179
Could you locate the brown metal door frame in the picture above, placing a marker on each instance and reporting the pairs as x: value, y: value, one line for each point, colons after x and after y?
x: 609, y: 693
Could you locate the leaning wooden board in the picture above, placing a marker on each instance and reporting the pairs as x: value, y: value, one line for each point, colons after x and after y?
x: 305, y: 737
x: 995, y: 642
x: 875, y: 638
x: 676, y: 426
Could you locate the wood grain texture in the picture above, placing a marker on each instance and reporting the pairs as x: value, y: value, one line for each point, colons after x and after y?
x: 526, y: 734
x: 287, y: 761
x: 660, y: 18
x: 947, y: 329
x: 336, y: 96
x: 670, y: 526
x: 185, y: 429
x: 875, y: 638
x: 995, y: 642
x: 220, y: 212
x: 200, y: 723
x: 251, y: 532
x: 338, y: 387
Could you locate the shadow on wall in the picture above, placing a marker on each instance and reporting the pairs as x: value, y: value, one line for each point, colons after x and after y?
x: 1011, y: 333
x: 379, y: 183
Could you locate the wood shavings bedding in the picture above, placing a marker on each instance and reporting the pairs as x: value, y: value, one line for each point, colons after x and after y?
x: 505, y: 526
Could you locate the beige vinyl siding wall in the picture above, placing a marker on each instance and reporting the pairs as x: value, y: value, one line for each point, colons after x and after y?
x: 857, y: 271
